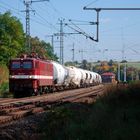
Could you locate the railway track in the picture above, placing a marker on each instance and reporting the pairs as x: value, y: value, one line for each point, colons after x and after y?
x: 14, y: 109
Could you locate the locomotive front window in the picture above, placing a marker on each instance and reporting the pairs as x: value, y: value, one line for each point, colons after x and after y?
x: 15, y: 65
x: 27, y: 65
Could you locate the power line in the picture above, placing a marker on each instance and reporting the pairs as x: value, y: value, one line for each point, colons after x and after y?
x: 27, y: 4
x: 100, y: 9
x: 57, y: 11
x: 14, y: 10
x: 108, y: 9
x: 61, y: 35
x: 51, y: 25
x: 91, y: 3
x: 80, y: 32
x: 34, y: 20
x: 9, y: 6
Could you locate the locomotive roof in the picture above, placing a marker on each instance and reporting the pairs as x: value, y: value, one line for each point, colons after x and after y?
x: 28, y: 58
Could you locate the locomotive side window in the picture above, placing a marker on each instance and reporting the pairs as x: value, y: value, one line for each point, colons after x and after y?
x: 15, y: 65
x: 27, y: 65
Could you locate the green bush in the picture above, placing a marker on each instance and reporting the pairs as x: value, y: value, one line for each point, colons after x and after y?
x: 4, y: 90
x: 115, y: 116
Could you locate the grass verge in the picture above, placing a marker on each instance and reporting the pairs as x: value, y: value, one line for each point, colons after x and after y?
x: 115, y: 116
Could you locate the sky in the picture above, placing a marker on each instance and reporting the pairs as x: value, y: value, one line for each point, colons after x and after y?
x: 119, y: 31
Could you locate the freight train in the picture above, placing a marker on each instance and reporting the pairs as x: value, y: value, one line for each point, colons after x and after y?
x: 32, y: 76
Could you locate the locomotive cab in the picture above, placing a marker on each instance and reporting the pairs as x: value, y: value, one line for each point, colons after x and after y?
x: 29, y: 76
x: 20, y: 78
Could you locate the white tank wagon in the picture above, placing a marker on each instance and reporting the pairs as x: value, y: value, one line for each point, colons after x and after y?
x: 74, y: 76
x: 88, y: 77
x: 60, y: 74
x: 83, y: 77
x: 92, y: 78
x: 98, y: 78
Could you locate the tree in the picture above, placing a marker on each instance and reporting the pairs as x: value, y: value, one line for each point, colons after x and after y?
x: 11, y: 37
x: 84, y: 64
x: 70, y: 63
x: 12, y: 40
x: 43, y: 49
x: 110, y: 63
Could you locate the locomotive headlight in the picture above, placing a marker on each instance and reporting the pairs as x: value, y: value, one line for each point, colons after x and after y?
x: 12, y: 76
x: 30, y: 76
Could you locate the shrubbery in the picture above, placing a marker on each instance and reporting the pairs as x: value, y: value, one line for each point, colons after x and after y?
x: 115, y: 116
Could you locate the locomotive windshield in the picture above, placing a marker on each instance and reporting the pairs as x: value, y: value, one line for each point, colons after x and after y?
x: 22, y: 65
x: 15, y: 65
x: 27, y: 65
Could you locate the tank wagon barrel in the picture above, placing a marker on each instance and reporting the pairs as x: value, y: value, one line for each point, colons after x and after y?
x: 60, y: 74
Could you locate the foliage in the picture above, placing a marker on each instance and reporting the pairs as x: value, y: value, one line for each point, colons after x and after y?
x: 124, y: 61
x: 11, y: 37
x: 70, y: 63
x: 84, y: 64
x: 110, y: 63
x: 3, y: 74
x: 4, y: 90
x: 43, y: 49
x: 12, y: 40
x: 116, y: 116
x: 3, y: 79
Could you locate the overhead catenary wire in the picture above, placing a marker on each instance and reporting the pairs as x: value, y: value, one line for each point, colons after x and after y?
x: 77, y: 26
x: 80, y: 31
x: 62, y: 15
x: 27, y: 10
x: 59, y: 13
x: 11, y: 7
x: 91, y: 3
x: 43, y: 19
x: 34, y: 20
x: 13, y: 10
x: 16, y: 11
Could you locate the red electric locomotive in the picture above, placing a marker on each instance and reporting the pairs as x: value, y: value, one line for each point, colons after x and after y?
x: 29, y: 75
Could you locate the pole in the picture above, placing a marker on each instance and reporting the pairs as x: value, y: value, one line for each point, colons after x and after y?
x: 81, y: 51
x: 118, y: 72
x: 27, y: 4
x: 73, y: 53
x: 125, y: 72
x: 97, y: 32
x: 28, y: 44
x: 61, y: 42
x: 52, y: 44
x: 99, y: 9
x: 137, y: 76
